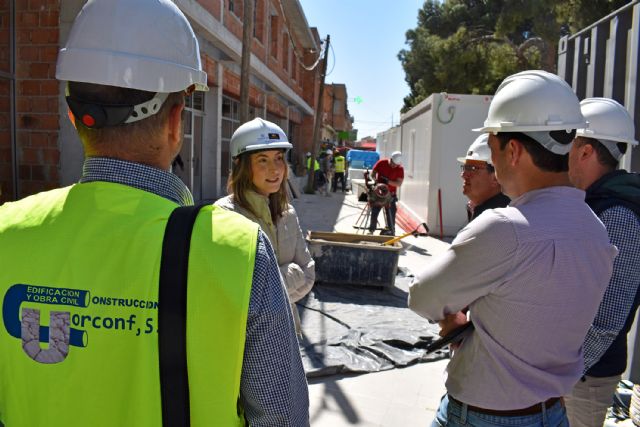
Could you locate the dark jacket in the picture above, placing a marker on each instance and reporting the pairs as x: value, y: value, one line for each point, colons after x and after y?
x: 618, y: 188
x: 497, y: 201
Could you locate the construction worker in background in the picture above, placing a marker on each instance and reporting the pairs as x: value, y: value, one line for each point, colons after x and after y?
x: 532, y: 274
x: 614, y: 195
x: 316, y: 165
x: 258, y: 190
x: 326, y: 168
x: 479, y: 181
x: 317, y: 173
x: 390, y: 172
x: 339, y: 163
x: 85, y: 259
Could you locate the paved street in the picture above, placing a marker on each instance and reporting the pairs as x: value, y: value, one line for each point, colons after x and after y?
x: 399, y: 397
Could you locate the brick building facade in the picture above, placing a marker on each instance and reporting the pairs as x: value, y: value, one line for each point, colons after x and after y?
x: 336, y: 120
x: 39, y: 149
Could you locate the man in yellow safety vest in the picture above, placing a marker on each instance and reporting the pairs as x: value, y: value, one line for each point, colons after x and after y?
x: 81, y: 265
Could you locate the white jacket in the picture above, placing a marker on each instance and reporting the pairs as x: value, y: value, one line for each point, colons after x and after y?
x: 296, y: 265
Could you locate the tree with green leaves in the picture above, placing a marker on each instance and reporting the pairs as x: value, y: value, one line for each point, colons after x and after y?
x: 470, y: 46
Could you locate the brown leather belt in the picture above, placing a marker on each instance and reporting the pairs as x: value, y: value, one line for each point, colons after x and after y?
x: 531, y: 410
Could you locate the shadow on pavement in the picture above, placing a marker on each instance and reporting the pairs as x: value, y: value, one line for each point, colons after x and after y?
x: 335, y: 391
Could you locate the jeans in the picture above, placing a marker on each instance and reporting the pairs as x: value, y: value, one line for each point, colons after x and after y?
x: 389, y: 214
x: 452, y: 414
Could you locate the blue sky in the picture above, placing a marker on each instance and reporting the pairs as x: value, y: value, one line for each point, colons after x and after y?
x: 366, y: 36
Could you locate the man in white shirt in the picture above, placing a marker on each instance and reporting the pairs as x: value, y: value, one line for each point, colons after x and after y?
x: 532, y: 274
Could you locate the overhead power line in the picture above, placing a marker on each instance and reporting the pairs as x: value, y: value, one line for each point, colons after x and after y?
x: 294, y: 47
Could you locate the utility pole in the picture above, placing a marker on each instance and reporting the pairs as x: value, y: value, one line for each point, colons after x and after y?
x: 317, y: 122
x: 245, y: 66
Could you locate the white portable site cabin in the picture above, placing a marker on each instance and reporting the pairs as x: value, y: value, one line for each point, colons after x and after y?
x: 388, y: 141
x: 433, y: 135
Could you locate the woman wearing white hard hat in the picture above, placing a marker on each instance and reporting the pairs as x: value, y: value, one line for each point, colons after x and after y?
x: 257, y: 190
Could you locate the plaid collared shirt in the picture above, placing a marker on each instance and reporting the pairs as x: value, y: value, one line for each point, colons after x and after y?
x: 623, y: 227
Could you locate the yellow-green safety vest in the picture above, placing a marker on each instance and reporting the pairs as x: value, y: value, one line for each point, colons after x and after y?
x: 79, y: 290
x: 316, y: 165
x: 339, y: 162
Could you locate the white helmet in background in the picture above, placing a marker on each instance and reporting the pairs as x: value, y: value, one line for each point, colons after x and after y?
x: 479, y: 150
x: 396, y: 157
x: 535, y: 102
x: 147, y: 45
x: 256, y: 135
x: 609, y: 123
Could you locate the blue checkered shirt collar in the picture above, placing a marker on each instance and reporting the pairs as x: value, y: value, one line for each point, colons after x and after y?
x: 162, y: 183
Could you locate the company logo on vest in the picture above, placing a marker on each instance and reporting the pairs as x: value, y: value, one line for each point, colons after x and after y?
x: 60, y: 334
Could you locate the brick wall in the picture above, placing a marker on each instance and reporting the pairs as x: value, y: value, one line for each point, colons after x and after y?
x: 306, y: 134
x: 233, y: 20
x: 256, y: 97
x: 6, y: 181
x: 231, y: 87
x: 211, y: 6
x: 295, y: 116
x: 271, y: 43
x: 210, y: 66
x: 310, y: 80
x: 259, y: 30
x: 231, y: 83
x: 6, y: 176
x: 276, y: 107
x: 38, y: 118
x: 37, y: 115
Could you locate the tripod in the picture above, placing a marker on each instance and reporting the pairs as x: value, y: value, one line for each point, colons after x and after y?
x: 364, y: 219
x: 379, y: 196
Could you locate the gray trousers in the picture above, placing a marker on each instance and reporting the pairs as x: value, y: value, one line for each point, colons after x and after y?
x: 588, y: 402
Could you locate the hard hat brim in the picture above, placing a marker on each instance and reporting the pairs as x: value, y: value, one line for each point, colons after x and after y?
x: 498, y: 128
x: 143, y: 73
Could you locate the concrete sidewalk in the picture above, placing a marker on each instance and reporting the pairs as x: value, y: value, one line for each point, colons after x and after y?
x: 398, y: 397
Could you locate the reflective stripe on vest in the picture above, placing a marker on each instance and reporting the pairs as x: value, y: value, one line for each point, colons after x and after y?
x: 79, y: 289
x: 339, y: 162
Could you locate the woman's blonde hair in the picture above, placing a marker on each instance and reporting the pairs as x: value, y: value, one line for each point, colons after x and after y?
x: 241, y: 180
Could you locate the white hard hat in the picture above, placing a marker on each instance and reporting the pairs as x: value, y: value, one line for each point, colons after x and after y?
x: 329, y: 151
x: 308, y: 153
x: 609, y: 123
x: 535, y: 102
x: 479, y: 150
x: 396, y: 157
x: 143, y: 44
x: 256, y: 135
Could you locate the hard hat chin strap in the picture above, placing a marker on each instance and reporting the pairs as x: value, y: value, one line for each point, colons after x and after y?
x: 96, y: 116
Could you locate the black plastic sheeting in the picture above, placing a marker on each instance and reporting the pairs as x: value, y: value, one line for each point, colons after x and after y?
x: 359, y: 329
